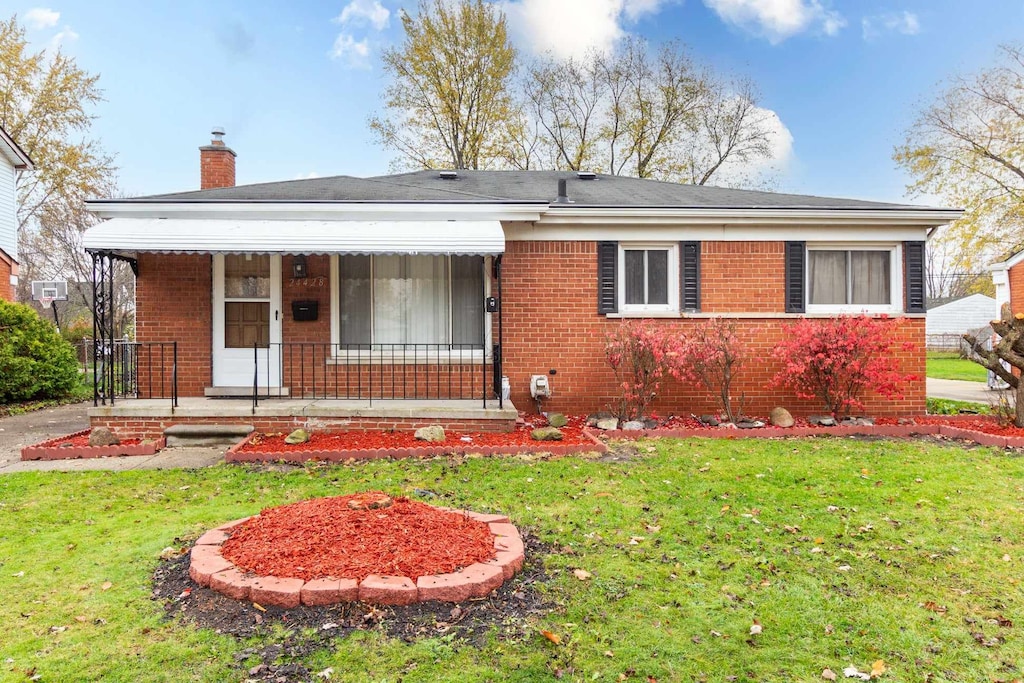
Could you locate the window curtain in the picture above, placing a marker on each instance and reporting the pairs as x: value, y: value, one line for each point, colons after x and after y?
x: 657, y: 276
x: 634, y: 277
x: 410, y: 299
x: 354, y: 289
x: 405, y: 299
x: 827, y: 277
x: 468, y: 300
x: 869, y: 273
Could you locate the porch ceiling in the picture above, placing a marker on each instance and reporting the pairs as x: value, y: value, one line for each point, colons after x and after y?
x: 211, y: 236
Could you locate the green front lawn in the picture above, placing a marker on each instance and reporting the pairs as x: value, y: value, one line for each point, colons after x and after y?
x: 844, y: 551
x: 944, y: 365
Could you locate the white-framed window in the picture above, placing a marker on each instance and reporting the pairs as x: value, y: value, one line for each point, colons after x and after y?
x: 648, y: 279
x: 409, y: 306
x: 854, y: 278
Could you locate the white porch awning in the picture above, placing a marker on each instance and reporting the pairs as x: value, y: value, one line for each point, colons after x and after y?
x: 218, y: 235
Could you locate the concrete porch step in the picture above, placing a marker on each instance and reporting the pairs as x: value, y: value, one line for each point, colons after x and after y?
x: 205, y: 434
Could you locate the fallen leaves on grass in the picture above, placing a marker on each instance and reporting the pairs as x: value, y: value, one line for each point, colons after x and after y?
x: 582, y: 574
x: 107, y: 585
x: 931, y: 606
x: 829, y: 674
x: 553, y: 637
x: 756, y: 628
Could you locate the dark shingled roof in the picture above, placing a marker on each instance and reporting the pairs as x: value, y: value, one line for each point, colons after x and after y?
x: 489, y: 187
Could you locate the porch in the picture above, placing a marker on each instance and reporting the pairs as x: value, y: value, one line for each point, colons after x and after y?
x: 148, y: 418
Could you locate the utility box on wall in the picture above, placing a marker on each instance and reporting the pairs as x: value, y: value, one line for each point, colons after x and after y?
x: 305, y: 310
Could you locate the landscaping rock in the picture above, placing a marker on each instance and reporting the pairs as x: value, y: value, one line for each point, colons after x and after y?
x: 546, y: 434
x: 101, y: 436
x: 370, y: 502
x: 651, y: 423
x: 557, y: 420
x: 749, y: 424
x: 633, y: 426
x: 857, y: 421
x: 709, y: 420
x: 822, y: 420
x: 594, y: 418
x: 780, y: 417
x: 298, y: 436
x: 607, y: 423
x: 433, y: 433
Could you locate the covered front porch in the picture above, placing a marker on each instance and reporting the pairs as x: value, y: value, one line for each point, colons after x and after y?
x: 345, y: 324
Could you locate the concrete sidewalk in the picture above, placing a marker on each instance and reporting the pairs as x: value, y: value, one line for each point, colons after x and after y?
x: 18, y: 431
x: 959, y: 390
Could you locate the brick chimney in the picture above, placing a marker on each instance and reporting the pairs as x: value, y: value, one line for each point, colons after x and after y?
x: 216, y: 163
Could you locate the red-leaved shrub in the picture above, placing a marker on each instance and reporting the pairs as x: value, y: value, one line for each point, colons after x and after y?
x: 835, y: 360
x: 640, y: 354
x: 712, y: 354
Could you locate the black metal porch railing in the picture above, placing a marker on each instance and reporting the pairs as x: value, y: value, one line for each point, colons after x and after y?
x: 321, y: 370
x: 134, y: 370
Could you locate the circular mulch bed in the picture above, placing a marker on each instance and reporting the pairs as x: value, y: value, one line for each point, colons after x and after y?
x: 283, y: 643
x: 367, y: 547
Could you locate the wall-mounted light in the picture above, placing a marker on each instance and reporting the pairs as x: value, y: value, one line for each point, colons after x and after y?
x: 299, y: 270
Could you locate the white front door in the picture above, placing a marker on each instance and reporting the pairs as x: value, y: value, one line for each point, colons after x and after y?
x: 246, y: 320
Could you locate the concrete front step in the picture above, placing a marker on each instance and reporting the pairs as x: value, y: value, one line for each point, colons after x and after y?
x: 205, y: 434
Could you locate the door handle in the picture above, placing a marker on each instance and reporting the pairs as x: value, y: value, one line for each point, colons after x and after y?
x: 276, y: 314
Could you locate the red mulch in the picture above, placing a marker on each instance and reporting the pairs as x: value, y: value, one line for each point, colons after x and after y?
x: 80, y: 440
x: 325, y: 537
x: 360, y: 440
x: 978, y: 423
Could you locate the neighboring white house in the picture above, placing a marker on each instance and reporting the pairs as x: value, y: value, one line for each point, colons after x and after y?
x: 956, y: 317
x: 13, y: 161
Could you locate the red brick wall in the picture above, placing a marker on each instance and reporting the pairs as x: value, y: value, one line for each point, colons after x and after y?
x: 1016, y: 275
x: 551, y: 322
x: 173, y: 298
x: 216, y: 166
x: 742, y: 277
x: 153, y: 427
x: 6, y: 289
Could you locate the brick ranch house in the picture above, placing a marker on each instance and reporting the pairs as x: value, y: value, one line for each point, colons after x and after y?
x: 402, y: 299
x: 13, y: 162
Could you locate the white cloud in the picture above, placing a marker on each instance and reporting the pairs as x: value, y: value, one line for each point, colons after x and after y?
x: 778, y: 20
x: 360, y: 12
x: 41, y: 17
x: 349, y: 49
x: 307, y: 176
x: 572, y: 28
x: 61, y: 39
x: 906, y: 23
x: 764, y: 171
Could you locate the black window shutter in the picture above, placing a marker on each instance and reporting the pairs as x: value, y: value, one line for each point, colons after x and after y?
x: 914, y: 276
x: 607, y: 292
x: 689, y: 276
x: 796, y: 295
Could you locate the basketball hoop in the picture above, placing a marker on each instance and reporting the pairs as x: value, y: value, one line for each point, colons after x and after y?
x: 46, y: 302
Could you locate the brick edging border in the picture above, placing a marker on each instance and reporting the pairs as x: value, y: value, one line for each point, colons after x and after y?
x: 982, y: 438
x: 46, y: 451
x: 209, y: 568
x: 235, y: 454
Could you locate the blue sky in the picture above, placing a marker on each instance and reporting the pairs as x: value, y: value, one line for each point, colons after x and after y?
x: 294, y: 83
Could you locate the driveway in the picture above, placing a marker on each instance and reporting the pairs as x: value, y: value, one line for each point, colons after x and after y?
x: 18, y: 431
x: 959, y: 390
